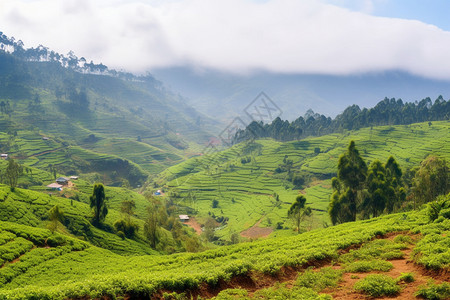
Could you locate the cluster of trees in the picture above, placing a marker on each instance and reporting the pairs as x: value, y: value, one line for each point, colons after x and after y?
x: 162, y: 229
x: 386, y: 112
x: 368, y: 191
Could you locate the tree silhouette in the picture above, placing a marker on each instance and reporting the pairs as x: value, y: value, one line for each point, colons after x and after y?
x: 98, y: 203
x: 298, y: 211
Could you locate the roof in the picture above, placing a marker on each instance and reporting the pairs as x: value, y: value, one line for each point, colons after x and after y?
x: 54, y: 185
x: 184, y: 217
x: 73, y: 177
x: 62, y: 179
x: 4, y: 155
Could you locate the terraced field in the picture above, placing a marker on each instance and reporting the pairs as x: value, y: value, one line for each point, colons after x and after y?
x: 37, y: 263
x: 244, y: 191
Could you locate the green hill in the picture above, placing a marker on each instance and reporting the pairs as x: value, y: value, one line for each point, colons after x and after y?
x: 113, y: 126
x: 246, y: 178
x: 37, y: 263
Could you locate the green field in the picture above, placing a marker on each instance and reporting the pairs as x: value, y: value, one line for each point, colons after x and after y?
x: 45, y: 258
x: 244, y: 191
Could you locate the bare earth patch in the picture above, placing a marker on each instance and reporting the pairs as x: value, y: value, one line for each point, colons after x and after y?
x: 255, y: 231
x: 192, y: 222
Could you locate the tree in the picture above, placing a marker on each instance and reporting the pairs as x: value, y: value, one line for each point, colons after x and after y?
x: 98, y: 203
x: 13, y: 171
x: 396, y: 193
x: 347, y: 187
x: 126, y: 225
x: 210, y: 229
x: 378, y: 188
x: 431, y: 180
x: 298, y: 211
x: 151, y: 229
x: 55, y: 215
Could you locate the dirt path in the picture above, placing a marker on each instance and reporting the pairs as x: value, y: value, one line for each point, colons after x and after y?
x: 192, y: 222
x: 255, y: 231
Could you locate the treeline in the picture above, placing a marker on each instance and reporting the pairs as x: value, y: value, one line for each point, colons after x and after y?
x: 386, y: 112
x: 70, y: 60
x: 362, y: 191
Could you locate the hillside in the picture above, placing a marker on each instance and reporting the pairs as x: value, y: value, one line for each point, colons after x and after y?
x: 37, y: 263
x: 83, y: 123
x: 246, y: 179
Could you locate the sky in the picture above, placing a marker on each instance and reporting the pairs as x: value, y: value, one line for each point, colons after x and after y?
x: 335, y: 37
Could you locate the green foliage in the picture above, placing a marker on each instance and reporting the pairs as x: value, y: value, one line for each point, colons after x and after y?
x: 298, y: 211
x: 13, y: 171
x: 433, y: 250
x: 439, y: 208
x: 431, y: 180
x: 55, y: 215
x: 351, y: 175
x: 377, y: 285
x: 433, y: 291
x: 377, y: 249
x: 406, y: 277
x: 362, y: 266
x: 319, y: 280
x: 98, y: 203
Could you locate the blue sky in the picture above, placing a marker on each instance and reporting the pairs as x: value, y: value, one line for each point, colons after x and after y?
x: 335, y: 37
x: 434, y: 12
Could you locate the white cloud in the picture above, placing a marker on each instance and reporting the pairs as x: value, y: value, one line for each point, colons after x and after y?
x: 232, y: 35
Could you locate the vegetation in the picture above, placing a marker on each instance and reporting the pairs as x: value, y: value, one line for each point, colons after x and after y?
x: 98, y: 203
x: 377, y: 285
x: 386, y: 112
x: 433, y: 291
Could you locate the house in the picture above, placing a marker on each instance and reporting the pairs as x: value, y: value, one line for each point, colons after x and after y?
x: 158, y: 193
x: 55, y: 186
x: 184, y: 218
x: 62, y: 180
x: 45, y: 138
x: 4, y: 156
x: 73, y: 177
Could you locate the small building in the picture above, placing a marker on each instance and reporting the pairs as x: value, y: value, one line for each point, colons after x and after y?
x: 73, y: 177
x: 55, y: 186
x: 45, y: 138
x: 4, y: 156
x: 184, y: 218
x: 62, y: 180
x: 158, y: 193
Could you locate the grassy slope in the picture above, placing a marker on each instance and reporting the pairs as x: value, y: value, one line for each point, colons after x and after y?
x: 98, y: 272
x: 119, y: 112
x: 244, y: 191
x: 31, y: 208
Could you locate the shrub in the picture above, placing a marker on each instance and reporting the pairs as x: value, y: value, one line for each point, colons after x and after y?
x: 368, y: 265
x: 434, y: 291
x: 319, y: 280
x: 406, y: 277
x: 377, y: 285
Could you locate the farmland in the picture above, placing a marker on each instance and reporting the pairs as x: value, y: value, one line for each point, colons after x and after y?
x: 36, y: 261
x: 247, y: 192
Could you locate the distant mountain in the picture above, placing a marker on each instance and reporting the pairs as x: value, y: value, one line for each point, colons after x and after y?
x: 87, y: 110
x: 225, y: 96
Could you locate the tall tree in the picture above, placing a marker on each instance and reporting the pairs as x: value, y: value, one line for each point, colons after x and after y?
x: 151, y: 229
x: 13, y: 171
x: 431, y: 180
x: 56, y: 216
x: 396, y: 193
x: 298, y: 211
x: 377, y: 188
x: 98, y: 203
x: 351, y: 176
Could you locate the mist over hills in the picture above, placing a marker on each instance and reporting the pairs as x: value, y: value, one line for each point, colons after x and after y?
x: 225, y: 96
